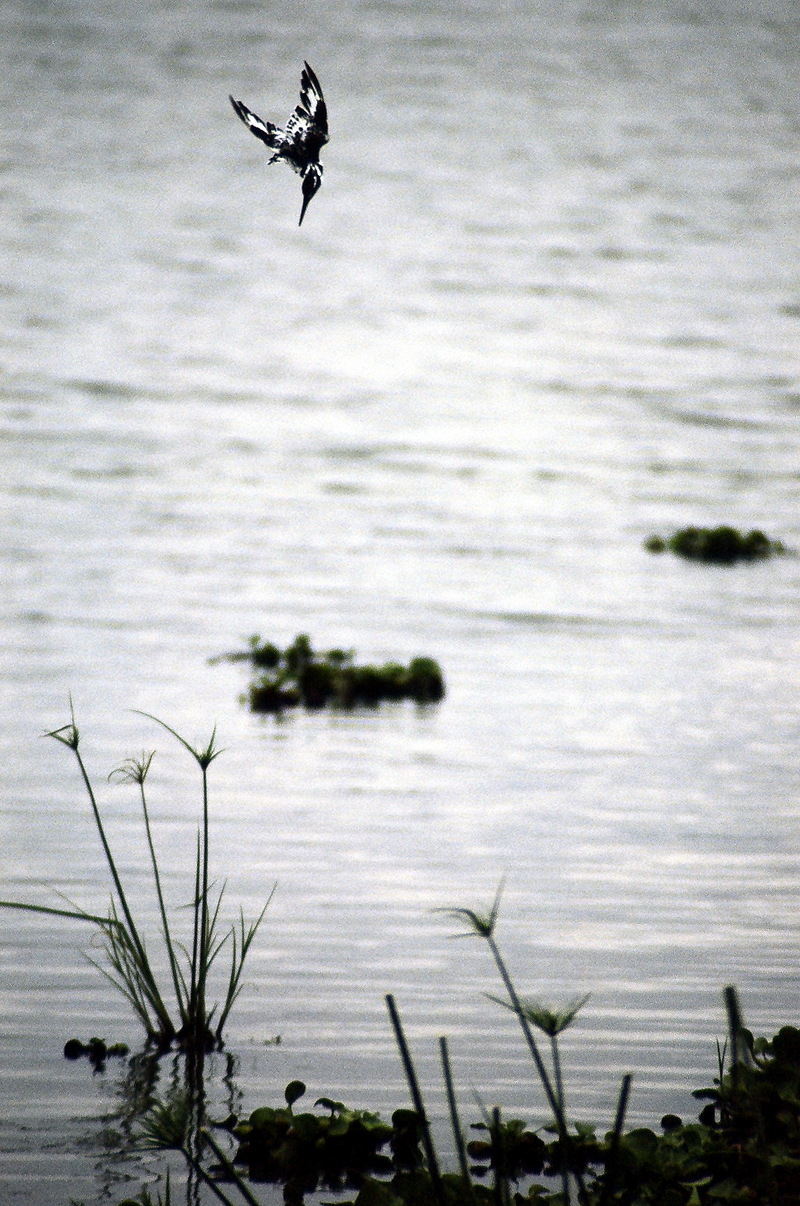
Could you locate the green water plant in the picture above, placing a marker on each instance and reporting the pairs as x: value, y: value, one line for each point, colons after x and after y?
x: 743, y: 1148
x: 189, y: 1021
x: 722, y: 545
x: 332, y: 1146
x: 300, y: 676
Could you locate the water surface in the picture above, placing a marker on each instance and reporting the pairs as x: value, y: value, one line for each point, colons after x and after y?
x: 545, y: 305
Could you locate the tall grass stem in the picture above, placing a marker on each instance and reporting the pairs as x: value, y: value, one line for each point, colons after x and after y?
x: 613, y: 1149
x: 458, y: 1134
x: 416, y: 1097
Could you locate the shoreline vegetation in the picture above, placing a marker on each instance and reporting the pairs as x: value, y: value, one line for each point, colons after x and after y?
x: 299, y: 676
x: 744, y: 1146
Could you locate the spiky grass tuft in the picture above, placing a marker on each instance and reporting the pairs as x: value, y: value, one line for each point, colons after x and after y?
x: 127, y: 963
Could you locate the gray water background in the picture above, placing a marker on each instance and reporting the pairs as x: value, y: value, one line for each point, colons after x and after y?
x: 545, y: 304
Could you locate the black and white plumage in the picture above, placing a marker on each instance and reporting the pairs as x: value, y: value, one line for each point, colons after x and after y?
x: 305, y: 135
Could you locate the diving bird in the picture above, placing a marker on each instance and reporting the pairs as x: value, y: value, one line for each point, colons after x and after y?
x: 305, y: 135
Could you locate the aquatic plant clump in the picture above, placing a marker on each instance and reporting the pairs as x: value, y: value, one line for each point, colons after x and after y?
x: 189, y: 1022
x: 298, y: 676
x: 334, y: 1148
x: 716, y: 546
x: 97, y: 1051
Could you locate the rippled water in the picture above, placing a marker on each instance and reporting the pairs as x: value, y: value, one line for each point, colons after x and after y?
x: 545, y: 304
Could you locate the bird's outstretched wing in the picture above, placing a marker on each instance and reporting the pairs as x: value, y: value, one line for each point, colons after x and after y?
x: 264, y: 130
x: 310, y: 118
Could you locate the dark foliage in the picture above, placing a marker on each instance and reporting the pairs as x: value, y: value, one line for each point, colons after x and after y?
x: 300, y: 676
x: 716, y: 546
x: 334, y: 1149
x: 744, y: 1148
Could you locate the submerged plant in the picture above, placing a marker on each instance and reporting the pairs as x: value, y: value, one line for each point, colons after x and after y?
x: 194, y: 1026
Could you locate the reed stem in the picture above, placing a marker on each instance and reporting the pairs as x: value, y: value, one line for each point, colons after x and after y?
x: 229, y: 1169
x: 458, y: 1134
x: 142, y: 963
x: 613, y: 1147
x: 130, y: 970
x: 416, y: 1097
x: 173, y: 961
x: 552, y: 1098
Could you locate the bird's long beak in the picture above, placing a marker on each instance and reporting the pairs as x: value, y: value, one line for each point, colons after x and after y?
x: 311, y: 182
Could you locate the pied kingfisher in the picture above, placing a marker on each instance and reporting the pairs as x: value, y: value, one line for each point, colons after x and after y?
x: 305, y: 135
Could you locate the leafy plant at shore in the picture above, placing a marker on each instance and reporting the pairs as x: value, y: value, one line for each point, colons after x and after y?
x: 197, y: 1026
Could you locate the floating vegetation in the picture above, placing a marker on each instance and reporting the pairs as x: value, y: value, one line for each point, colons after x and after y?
x: 97, y: 1051
x: 128, y: 966
x: 716, y: 546
x: 298, y: 676
x: 333, y: 1148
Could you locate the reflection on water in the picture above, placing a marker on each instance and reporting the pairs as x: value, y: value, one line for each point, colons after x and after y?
x: 133, y: 1146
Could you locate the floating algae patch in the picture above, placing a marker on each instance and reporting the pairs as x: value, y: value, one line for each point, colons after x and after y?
x: 299, y: 676
x: 716, y: 546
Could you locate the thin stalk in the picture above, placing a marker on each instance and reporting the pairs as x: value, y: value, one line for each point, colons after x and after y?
x: 557, y: 1071
x: 146, y: 971
x: 229, y: 1168
x: 739, y: 1051
x: 205, y: 936
x: 555, y: 1104
x: 192, y: 1009
x: 552, y: 1098
x: 202, y: 936
x: 560, y: 1094
x: 173, y: 962
x: 416, y: 1097
x: 613, y: 1147
x: 204, y: 1176
x: 501, y: 1194
x: 458, y: 1134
